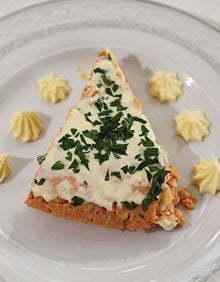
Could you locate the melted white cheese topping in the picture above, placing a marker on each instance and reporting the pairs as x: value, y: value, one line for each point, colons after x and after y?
x: 91, y: 184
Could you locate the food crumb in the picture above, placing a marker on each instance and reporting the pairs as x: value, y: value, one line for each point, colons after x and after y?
x: 186, y: 199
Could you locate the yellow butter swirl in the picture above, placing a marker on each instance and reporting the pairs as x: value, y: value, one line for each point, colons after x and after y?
x: 207, y: 176
x: 5, y: 168
x: 192, y: 125
x: 53, y: 88
x: 165, y: 86
x: 26, y: 126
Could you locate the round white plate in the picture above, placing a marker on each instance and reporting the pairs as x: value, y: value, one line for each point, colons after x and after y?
x: 63, y: 37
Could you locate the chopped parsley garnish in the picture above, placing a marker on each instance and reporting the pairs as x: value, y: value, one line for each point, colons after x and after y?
x: 74, y: 166
x: 109, y: 91
x: 107, y: 136
x: 40, y: 182
x: 117, y: 103
x: 73, y: 131
x: 57, y: 165
x: 99, y: 70
x: 107, y: 177
x: 106, y: 80
x: 77, y: 201
x: 69, y: 156
x: 115, y: 87
x: 116, y: 174
x: 129, y: 169
x: 99, y: 84
x: 96, y: 122
x: 109, y: 57
x: 66, y: 142
x: 101, y: 106
x: 129, y: 205
x: 156, y: 189
x: 80, y: 152
x: 41, y: 158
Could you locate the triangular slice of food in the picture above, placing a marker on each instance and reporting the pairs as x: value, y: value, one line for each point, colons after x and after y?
x: 104, y: 167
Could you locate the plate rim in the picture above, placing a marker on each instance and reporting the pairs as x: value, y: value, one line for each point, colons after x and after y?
x: 30, y: 7
x: 19, y: 41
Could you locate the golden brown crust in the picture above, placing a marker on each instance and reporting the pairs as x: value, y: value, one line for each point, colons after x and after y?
x: 117, y: 218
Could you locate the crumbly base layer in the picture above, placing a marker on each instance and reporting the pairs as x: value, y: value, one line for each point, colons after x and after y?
x: 117, y: 218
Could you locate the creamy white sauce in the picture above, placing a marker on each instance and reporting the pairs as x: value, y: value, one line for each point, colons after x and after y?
x: 96, y: 189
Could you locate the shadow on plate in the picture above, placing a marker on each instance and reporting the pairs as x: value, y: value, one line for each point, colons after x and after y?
x: 17, y: 165
x: 137, y: 77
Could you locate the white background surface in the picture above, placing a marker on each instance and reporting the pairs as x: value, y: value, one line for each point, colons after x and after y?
x: 208, y: 10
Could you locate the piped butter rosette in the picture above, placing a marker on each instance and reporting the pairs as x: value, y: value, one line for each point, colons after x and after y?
x: 5, y: 168
x: 192, y: 125
x: 207, y: 176
x: 26, y: 126
x: 53, y: 88
x: 165, y: 86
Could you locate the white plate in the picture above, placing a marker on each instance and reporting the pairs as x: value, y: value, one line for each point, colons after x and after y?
x: 59, y: 37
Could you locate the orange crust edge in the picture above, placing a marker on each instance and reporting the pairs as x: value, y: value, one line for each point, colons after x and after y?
x: 117, y: 218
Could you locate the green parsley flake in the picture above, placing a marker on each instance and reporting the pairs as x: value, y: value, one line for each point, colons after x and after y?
x: 99, y: 70
x: 129, y: 205
x: 40, y: 182
x: 40, y: 159
x: 156, y: 189
x: 116, y: 174
x: 109, y: 57
x: 75, y: 166
x: 69, y: 156
x: 115, y: 87
x: 57, y: 165
x: 77, y: 201
x: 107, y: 176
x: 99, y: 84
